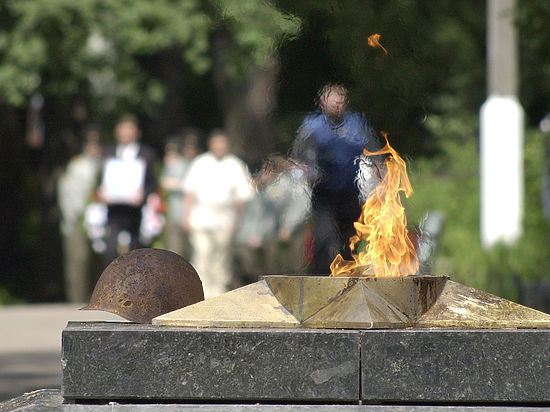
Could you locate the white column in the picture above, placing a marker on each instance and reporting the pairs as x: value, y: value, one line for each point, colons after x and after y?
x: 501, y: 154
x: 501, y: 131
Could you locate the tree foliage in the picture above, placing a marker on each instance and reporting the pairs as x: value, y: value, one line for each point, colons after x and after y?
x: 92, y: 60
x: 60, y: 47
x: 532, y: 20
x: 254, y: 66
x: 450, y: 184
x: 435, y: 61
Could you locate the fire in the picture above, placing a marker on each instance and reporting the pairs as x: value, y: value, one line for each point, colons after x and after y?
x: 382, y: 245
x: 374, y: 41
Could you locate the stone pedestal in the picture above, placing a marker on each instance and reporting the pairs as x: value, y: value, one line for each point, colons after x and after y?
x: 111, y: 361
x: 137, y: 363
x: 456, y: 366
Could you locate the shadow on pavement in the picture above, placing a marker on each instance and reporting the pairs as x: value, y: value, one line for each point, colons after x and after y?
x: 25, y: 372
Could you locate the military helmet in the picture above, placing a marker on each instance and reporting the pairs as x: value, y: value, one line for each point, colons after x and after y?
x: 145, y: 283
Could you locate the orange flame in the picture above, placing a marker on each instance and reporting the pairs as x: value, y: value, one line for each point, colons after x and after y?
x: 382, y: 245
x: 374, y: 41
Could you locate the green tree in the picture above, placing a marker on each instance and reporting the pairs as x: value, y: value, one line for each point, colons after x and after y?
x: 60, y: 47
x: 435, y: 62
x: 252, y: 66
x: 532, y: 18
x: 92, y: 60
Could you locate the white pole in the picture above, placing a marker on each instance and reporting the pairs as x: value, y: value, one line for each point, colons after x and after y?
x: 501, y: 132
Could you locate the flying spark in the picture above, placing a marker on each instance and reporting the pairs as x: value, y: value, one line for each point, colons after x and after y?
x: 374, y: 41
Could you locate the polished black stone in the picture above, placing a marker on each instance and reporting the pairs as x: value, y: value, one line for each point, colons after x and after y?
x: 130, y: 361
x: 458, y: 366
x: 122, y: 361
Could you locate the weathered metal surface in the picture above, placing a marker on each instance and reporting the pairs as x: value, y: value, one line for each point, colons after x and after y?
x: 357, y: 303
x: 145, y: 283
x: 462, y: 307
x: 253, y: 305
x: 303, y: 296
x: 314, y: 302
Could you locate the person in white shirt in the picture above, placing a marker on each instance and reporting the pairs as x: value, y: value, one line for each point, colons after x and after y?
x: 216, y: 189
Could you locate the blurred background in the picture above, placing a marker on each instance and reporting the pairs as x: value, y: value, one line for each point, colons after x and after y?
x: 253, y: 67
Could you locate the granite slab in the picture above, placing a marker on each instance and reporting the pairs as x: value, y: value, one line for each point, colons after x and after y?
x: 456, y: 366
x: 130, y: 361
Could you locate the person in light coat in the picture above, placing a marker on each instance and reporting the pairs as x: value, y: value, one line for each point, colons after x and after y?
x: 216, y: 189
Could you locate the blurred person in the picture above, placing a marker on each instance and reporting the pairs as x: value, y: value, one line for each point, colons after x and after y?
x: 215, y: 191
x: 74, y: 189
x: 270, y: 238
x: 248, y: 253
x: 284, y: 200
x: 128, y: 182
x: 287, y: 205
x: 329, y: 143
x: 179, y: 152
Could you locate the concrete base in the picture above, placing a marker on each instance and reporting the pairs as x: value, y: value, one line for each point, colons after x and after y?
x: 130, y: 362
x: 47, y: 400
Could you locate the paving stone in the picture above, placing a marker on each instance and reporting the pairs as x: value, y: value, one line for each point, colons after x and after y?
x: 51, y: 401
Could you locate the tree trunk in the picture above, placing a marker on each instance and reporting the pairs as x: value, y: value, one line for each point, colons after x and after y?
x: 248, y: 107
x: 172, y: 114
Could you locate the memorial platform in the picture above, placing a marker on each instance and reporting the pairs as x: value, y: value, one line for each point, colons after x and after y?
x: 145, y: 363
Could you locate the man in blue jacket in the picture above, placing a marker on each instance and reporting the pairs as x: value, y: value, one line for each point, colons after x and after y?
x: 329, y: 143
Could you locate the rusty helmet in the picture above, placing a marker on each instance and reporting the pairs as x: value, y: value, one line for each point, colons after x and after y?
x: 145, y: 283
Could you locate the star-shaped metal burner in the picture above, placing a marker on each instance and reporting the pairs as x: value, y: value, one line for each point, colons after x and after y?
x: 286, y: 301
